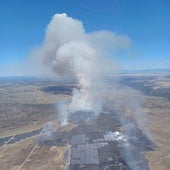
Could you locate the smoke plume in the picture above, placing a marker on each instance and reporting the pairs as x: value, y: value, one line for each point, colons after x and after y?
x: 69, y: 51
x: 86, y: 57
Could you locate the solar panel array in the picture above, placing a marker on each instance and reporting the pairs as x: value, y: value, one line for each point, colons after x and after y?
x: 78, y: 139
x: 85, y: 154
x: 114, y: 136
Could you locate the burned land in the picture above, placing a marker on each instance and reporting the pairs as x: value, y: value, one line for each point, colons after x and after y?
x: 27, y: 142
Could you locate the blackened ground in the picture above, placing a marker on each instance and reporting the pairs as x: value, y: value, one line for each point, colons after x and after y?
x: 19, y: 137
x: 146, y: 86
x: 113, y: 153
x: 59, y: 89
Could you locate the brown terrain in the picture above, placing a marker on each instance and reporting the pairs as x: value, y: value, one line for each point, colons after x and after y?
x: 25, y: 108
x: 156, y: 90
x: 26, y: 105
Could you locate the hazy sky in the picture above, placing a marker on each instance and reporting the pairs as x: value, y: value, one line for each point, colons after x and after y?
x: 146, y: 22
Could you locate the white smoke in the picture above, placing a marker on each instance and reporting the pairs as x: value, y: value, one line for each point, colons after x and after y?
x: 70, y: 51
x: 86, y: 57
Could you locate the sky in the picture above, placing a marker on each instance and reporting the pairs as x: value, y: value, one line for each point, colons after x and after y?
x: 147, y: 23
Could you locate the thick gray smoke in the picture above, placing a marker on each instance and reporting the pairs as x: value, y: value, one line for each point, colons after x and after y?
x: 86, y: 57
x: 68, y: 50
